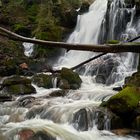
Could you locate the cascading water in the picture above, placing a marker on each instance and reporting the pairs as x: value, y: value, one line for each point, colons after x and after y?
x: 114, y: 26
x: 76, y: 116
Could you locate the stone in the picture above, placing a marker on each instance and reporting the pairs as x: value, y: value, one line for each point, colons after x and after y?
x: 17, y: 85
x: 72, y: 77
x: 84, y: 7
x: 43, y: 80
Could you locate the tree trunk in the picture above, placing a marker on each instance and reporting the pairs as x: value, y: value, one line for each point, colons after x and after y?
x: 106, y: 48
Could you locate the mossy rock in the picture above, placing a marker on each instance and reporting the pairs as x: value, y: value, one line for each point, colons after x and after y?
x: 19, y: 89
x: 16, y: 80
x: 134, y: 80
x: 113, y: 42
x: 64, y: 84
x: 125, y: 102
x: 72, y: 77
x: 17, y: 85
x: 43, y: 80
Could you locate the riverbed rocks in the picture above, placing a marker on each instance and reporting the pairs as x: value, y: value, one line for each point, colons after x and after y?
x: 71, y: 77
x: 66, y: 79
x: 101, y: 117
x: 16, y: 86
x: 29, y: 134
x: 126, y: 105
x: 43, y: 80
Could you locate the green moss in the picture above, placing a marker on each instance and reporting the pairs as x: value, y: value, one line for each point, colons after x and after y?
x: 125, y: 101
x: 72, y: 77
x: 43, y: 80
x: 16, y: 80
x: 134, y: 80
x: 20, y: 89
x: 113, y: 42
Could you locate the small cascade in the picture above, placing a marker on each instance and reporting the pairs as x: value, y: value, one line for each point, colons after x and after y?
x: 54, y: 82
x: 77, y: 115
x: 28, y: 49
x: 111, y: 68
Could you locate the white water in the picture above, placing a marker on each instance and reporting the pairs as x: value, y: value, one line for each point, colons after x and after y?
x: 54, y: 116
x: 28, y: 49
x: 86, y: 32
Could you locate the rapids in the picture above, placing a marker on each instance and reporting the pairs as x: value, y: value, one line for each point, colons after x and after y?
x: 55, y: 118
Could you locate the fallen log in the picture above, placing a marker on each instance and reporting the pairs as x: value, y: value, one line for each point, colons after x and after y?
x: 106, y: 48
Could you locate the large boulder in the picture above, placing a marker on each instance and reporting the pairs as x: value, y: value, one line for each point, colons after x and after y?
x: 28, y: 134
x: 105, y: 70
x: 66, y: 79
x: 125, y: 104
x: 43, y: 80
x: 71, y: 77
x: 17, y: 85
x: 103, y: 118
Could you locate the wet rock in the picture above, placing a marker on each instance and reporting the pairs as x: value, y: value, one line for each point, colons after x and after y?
x: 26, y: 134
x: 64, y: 84
x: 121, y: 132
x: 16, y: 80
x: 105, y: 119
x: 133, y: 80
x: 105, y: 69
x: 125, y: 104
x: 17, y: 85
x: 19, y: 89
x: 117, y: 88
x: 84, y: 7
x: 136, y: 123
x: 84, y: 119
x: 58, y: 93
x: 5, y: 98
x: 42, y: 136
x: 80, y: 120
x: 24, y: 101
x: 43, y: 80
x: 70, y: 18
x: 72, y: 77
x: 34, y: 111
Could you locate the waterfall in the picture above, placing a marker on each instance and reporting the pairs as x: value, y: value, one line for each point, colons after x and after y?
x: 28, y: 49
x: 87, y: 31
x: 77, y: 115
x: 95, y: 27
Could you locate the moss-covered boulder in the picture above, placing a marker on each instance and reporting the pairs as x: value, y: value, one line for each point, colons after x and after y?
x: 16, y: 80
x: 125, y: 102
x: 43, y: 80
x: 17, y: 86
x: 134, y: 80
x: 72, y: 77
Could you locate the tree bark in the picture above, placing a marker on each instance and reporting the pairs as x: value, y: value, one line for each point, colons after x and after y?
x: 106, y: 48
